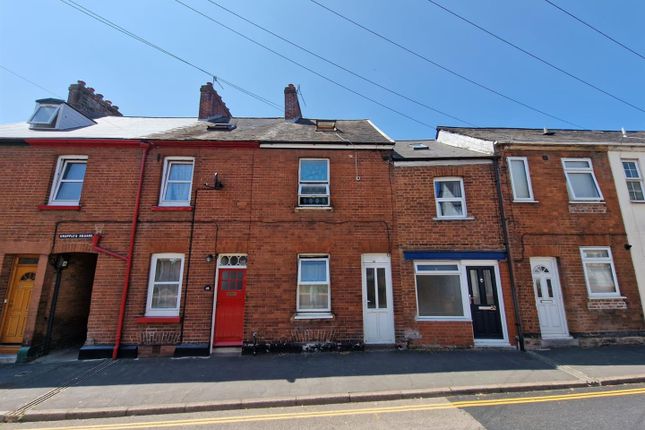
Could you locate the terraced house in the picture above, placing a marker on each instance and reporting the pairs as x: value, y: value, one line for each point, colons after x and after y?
x: 573, y: 260
x: 134, y: 236
x: 137, y: 236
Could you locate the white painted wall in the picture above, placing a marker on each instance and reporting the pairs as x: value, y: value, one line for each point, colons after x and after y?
x: 633, y: 212
x: 467, y: 142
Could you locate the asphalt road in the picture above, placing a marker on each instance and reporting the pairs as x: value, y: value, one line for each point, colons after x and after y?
x: 616, y: 407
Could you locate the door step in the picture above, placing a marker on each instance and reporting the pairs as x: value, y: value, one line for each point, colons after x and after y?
x: 227, y: 351
x: 8, y: 358
x: 559, y: 343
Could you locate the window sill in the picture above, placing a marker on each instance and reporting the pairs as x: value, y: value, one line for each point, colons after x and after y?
x: 526, y: 201
x: 314, y: 316
x: 157, y: 320
x: 638, y: 201
x: 172, y: 208
x: 313, y: 208
x: 586, y: 202
x: 443, y: 319
x: 59, y: 207
x: 466, y: 218
x: 607, y: 298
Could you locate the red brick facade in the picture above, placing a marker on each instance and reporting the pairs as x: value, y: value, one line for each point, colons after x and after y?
x: 553, y: 227
x: 417, y: 228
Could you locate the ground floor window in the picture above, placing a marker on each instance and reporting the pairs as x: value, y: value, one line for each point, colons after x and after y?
x: 164, y: 287
x: 441, y: 291
x: 600, y: 274
x: 313, y: 285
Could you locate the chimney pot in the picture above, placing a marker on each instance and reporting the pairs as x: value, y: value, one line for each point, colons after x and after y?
x: 291, y: 105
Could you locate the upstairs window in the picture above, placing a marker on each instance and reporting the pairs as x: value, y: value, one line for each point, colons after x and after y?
x: 520, y: 179
x: 450, y: 198
x: 581, y: 181
x: 68, y: 180
x: 164, y: 288
x: 600, y: 274
x: 313, y: 184
x: 313, y: 285
x: 177, y: 181
x: 634, y: 180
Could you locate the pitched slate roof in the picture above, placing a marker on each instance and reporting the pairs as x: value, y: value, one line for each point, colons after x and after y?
x: 557, y: 136
x: 246, y: 129
x: 404, y: 150
x: 281, y: 130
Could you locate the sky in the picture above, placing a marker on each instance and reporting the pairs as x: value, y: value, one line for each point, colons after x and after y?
x: 53, y: 45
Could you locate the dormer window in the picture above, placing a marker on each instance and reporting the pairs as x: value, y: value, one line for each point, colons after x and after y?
x: 55, y: 114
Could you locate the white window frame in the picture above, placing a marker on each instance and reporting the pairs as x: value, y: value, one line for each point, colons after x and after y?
x: 164, y: 182
x: 525, y: 161
x: 324, y: 312
x: 463, y: 283
x: 568, y: 170
x: 166, y: 312
x: 302, y: 183
x: 638, y: 179
x: 609, y: 259
x: 62, y: 162
x: 461, y: 199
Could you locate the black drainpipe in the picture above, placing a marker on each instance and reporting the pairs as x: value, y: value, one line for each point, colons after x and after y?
x: 60, y: 263
x: 507, y: 245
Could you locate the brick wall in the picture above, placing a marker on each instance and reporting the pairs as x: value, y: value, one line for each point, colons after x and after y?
x: 554, y: 227
x: 254, y: 214
x: 416, y: 229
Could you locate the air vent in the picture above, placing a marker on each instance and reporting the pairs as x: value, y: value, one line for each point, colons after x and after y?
x: 325, y: 125
x: 547, y: 132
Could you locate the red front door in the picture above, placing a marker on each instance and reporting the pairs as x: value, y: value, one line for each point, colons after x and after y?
x: 229, y: 314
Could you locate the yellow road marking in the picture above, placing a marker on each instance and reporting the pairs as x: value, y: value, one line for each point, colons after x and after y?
x: 362, y: 411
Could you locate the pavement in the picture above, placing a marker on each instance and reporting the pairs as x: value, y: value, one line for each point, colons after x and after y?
x: 58, y: 387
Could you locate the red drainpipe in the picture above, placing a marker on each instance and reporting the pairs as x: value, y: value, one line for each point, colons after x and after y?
x: 128, y: 259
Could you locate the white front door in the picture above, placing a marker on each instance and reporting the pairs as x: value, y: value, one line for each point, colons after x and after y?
x: 378, y: 315
x: 548, y: 298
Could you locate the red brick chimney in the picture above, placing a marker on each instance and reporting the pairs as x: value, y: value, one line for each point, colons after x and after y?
x: 92, y: 105
x: 291, y: 105
x: 211, y: 104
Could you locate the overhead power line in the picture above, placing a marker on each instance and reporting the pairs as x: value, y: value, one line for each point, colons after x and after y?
x: 128, y: 33
x: 442, y: 67
x: 29, y: 81
x: 328, y: 61
x: 309, y: 69
x: 596, y: 29
x: 540, y: 59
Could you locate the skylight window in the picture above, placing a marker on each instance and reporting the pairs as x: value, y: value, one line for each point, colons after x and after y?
x: 419, y: 146
x: 325, y: 125
x: 45, y: 116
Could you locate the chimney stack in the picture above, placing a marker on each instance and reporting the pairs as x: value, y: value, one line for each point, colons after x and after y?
x: 211, y: 104
x: 291, y: 105
x: 91, y: 105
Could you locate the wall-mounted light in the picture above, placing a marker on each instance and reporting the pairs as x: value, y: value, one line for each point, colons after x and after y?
x: 209, y: 258
x: 628, y: 246
x: 217, y: 183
